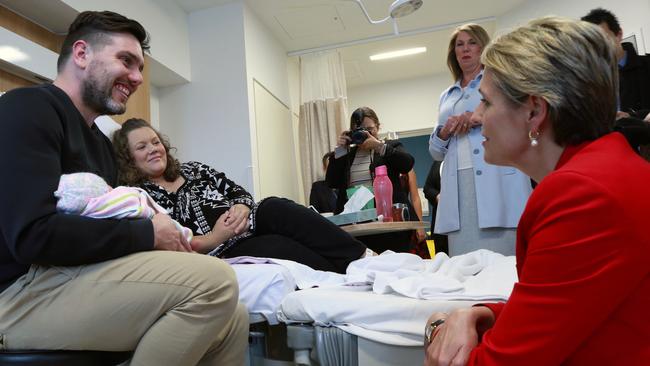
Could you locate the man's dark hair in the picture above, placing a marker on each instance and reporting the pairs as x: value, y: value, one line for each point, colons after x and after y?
x: 600, y: 15
x: 94, y: 27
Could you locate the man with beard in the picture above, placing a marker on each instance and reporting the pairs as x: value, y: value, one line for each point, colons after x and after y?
x: 142, y: 290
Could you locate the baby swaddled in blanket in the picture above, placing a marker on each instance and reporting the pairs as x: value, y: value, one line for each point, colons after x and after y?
x: 87, y: 194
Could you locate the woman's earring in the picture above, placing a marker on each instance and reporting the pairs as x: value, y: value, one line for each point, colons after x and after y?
x: 533, y: 135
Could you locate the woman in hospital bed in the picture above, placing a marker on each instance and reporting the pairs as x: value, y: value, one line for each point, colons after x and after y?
x: 548, y: 108
x: 223, y: 216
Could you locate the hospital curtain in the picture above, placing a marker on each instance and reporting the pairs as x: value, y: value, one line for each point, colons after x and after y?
x: 323, y: 111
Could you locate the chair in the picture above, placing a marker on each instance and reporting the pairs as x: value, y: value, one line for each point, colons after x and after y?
x: 67, y: 358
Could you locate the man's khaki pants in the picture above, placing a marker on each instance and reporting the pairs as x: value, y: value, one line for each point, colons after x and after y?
x: 171, y: 308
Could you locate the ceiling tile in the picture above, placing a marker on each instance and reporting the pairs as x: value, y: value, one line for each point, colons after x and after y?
x: 310, y: 21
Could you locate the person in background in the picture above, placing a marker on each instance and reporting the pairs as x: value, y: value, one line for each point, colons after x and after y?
x: 634, y: 83
x: 354, y: 164
x: 419, y: 245
x: 223, y: 216
x: 432, y: 193
x: 322, y: 197
x: 142, y: 289
x: 480, y: 203
x: 582, y: 295
x: 633, y: 69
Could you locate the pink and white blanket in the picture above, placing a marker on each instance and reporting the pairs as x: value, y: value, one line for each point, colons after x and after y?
x: 87, y: 194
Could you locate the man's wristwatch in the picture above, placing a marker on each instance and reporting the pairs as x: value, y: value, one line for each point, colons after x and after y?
x: 430, y: 328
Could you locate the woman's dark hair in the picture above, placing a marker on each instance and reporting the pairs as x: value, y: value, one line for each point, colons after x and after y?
x: 95, y: 27
x: 359, y: 114
x: 127, y: 173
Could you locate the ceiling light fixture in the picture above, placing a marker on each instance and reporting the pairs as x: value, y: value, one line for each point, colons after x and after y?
x: 397, y: 9
x: 12, y: 54
x: 398, y: 53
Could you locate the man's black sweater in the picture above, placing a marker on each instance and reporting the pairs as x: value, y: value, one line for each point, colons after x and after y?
x: 43, y: 136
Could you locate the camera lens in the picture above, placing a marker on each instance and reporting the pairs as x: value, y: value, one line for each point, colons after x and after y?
x: 358, y: 136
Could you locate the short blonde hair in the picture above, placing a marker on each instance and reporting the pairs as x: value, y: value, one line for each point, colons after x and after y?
x: 570, y: 64
x: 475, y: 31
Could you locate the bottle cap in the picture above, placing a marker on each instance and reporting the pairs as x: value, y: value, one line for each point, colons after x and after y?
x: 381, y: 170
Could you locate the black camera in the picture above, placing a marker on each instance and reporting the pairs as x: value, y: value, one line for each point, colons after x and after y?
x: 358, y: 135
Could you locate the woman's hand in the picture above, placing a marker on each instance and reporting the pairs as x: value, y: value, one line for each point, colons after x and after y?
x: 457, y: 125
x: 220, y: 233
x: 454, y: 340
x: 371, y: 142
x: 237, y: 218
x: 344, y: 139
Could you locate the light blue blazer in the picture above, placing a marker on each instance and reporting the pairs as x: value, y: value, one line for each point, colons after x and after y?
x: 501, y: 192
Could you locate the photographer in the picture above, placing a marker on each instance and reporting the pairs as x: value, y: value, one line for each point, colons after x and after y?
x: 358, y: 152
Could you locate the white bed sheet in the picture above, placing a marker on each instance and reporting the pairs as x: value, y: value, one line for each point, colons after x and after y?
x: 395, y: 293
x: 385, y: 318
x: 385, y: 298
x: 262, y: 287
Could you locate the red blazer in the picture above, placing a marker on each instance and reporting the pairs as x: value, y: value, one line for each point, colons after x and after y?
x: 583, y: 259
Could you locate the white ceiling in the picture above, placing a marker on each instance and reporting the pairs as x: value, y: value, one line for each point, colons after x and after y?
x: 303, y: 25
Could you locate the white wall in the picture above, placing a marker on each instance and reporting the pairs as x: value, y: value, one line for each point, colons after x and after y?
x: 208, y: 119
x: 25, y: 57
x: 403, y: 105
x: 293, y: 71
x: 266, y: 63
x: 266, y: 58
x: 165, y: 21
x: 633, y: 15
x: 154, y: 106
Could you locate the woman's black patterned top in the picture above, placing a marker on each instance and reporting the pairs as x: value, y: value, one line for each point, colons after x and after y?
x: 205, y: 195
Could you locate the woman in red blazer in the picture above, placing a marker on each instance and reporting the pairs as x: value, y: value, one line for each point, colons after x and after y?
x: 583, y: 249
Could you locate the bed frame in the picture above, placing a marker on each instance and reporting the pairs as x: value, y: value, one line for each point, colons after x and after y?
x: 325, y: 346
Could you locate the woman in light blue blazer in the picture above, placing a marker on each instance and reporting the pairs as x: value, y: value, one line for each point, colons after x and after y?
x: 480, y: 204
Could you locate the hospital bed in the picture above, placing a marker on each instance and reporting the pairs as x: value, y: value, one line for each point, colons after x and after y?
x: 356, y: 326
x: 360, y: 319
x: 262, y: 287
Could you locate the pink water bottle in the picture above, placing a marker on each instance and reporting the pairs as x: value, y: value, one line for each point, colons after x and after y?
x: 383, y: 193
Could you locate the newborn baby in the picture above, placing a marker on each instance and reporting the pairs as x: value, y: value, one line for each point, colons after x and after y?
x: 87, y: 194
